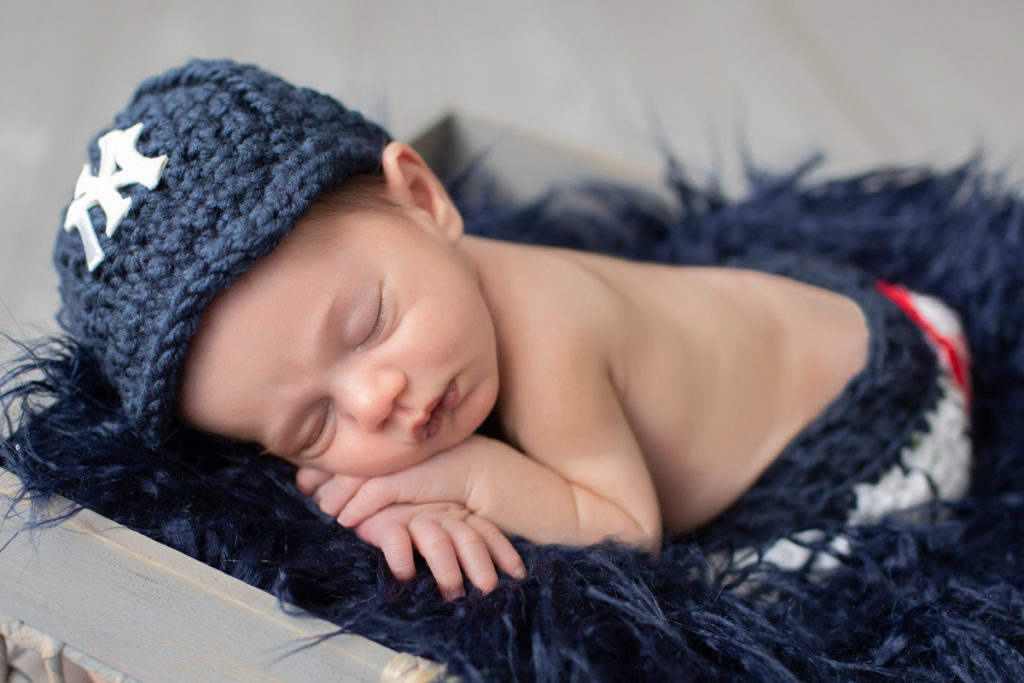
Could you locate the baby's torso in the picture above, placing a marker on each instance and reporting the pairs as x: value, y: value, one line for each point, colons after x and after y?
x: 716, y: 369
x: 723, y: 368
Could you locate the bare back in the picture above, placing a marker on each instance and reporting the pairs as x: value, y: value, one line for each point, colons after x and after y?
x: 715, y: 369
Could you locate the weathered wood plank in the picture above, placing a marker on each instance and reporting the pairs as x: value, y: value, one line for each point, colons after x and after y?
x: 159, y: 615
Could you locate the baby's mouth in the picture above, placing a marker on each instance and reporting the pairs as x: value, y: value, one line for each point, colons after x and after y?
x: 442, y: 404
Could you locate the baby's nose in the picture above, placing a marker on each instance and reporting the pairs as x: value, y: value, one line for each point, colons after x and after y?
x: 373, y: 400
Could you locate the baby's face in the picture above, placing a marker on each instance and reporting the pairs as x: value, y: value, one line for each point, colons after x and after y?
x: 360, y: 346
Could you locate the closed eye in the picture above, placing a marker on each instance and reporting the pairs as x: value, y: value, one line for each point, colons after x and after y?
x: 378, y: 325
x: 315, y: 443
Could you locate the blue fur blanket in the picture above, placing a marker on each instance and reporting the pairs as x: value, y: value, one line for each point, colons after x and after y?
x: 937, y: 601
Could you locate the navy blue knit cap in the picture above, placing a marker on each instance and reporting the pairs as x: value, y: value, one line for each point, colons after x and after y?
x: 219, y: 161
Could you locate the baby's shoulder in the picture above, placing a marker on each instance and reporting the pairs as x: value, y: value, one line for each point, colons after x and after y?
x: 559, y: 355
x: 557, y: 321
x: 553, y: 301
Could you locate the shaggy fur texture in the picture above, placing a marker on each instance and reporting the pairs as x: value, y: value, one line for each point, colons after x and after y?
x: 938, y: 600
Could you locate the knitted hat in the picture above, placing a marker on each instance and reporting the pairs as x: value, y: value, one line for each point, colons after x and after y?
x: 204, y: 172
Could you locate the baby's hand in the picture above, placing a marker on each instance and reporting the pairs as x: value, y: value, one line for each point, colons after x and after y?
x: 448, y: 536
x: 444, y: 477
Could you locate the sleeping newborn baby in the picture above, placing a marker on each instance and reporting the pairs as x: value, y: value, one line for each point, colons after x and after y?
x: 369, y: 339
x: 373, y: 342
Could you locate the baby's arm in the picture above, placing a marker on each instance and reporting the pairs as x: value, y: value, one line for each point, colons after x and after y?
x: 493, y: 480
x: 444, y: 508
x: 586, y: 478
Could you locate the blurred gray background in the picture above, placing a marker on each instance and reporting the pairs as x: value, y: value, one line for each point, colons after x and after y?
x: 869, y: 83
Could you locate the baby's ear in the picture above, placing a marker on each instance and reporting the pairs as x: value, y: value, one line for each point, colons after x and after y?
x: 410, y: 181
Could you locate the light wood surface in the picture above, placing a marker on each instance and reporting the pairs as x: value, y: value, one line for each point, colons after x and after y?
x: 870, y: 82
x: 158, y: 615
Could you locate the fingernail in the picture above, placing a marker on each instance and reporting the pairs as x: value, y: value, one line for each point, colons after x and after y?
x: 519, y: 573
x: 454, y: 594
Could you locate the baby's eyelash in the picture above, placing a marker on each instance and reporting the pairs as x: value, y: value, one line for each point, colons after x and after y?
x: 313, y: 445
x: 378, y: 325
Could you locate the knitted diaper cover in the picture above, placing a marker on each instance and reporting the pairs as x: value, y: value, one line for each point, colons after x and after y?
x: 897, y: 437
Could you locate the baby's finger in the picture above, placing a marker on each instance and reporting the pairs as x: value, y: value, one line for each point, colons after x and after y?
x: 500, y: 549
x: 397, y: 549
x: 372, y: 497
x: 435, y: 546
x: 392, y: 537
x: 473, y: 554
x: 309, y: 480
x: 335, y: 493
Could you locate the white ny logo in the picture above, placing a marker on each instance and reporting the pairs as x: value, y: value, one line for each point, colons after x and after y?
x: 120, y: 165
